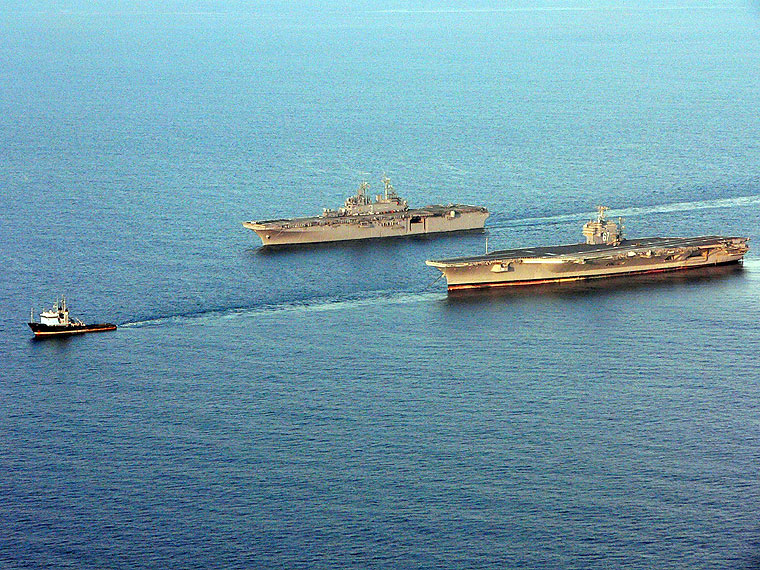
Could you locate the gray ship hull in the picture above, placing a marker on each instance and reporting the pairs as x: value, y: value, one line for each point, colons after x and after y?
x: 423, y: 221
x: 534, y: 266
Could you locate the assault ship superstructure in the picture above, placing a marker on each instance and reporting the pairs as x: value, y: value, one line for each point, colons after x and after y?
x: 362, y: 218
x: 605, y: 254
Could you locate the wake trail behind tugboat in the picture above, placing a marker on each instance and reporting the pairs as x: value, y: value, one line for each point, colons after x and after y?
x: 305, y: 306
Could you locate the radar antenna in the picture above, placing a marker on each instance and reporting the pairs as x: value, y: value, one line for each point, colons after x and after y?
x: 389, y: 192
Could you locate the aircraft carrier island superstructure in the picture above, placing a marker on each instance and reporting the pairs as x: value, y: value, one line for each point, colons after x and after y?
x: 361, y: 218
x: 605, y: 254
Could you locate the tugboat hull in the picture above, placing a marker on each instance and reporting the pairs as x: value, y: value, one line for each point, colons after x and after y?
x: 42, y: 330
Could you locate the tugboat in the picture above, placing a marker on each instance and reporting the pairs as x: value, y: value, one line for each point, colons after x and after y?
x: 56, y: 322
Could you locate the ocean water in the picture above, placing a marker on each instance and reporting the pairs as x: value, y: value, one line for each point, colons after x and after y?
x: 333, y: 407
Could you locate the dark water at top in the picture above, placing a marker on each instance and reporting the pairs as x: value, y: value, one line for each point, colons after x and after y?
x: 333, y: 407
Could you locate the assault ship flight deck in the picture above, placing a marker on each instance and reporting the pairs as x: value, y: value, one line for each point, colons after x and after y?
x: 605, y: 254
x: 361, y: 218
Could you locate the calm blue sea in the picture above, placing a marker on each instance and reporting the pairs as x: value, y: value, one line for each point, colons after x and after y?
x: 332, y: 407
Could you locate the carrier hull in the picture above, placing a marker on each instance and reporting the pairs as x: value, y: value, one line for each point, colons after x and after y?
x: 430, y: 220
x: 536, y: 266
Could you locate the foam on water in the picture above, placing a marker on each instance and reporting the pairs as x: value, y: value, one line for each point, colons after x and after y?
x: 738, y: 202
x: 374, y: 298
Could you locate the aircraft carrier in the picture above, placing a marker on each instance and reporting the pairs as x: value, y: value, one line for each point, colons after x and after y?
x: 605, y: 254
x: 361, y: 218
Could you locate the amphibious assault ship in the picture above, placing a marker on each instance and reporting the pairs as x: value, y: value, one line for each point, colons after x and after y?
x: 56, y: 322
x: 605, y: 254
x: 361, y: 218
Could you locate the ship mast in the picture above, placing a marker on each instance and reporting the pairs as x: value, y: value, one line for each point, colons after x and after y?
x: 388, y: 188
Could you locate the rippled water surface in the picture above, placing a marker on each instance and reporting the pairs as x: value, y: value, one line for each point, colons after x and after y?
x: 333, y: 407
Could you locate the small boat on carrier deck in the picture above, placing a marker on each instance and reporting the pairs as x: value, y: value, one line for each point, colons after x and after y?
x: 56, y: 322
